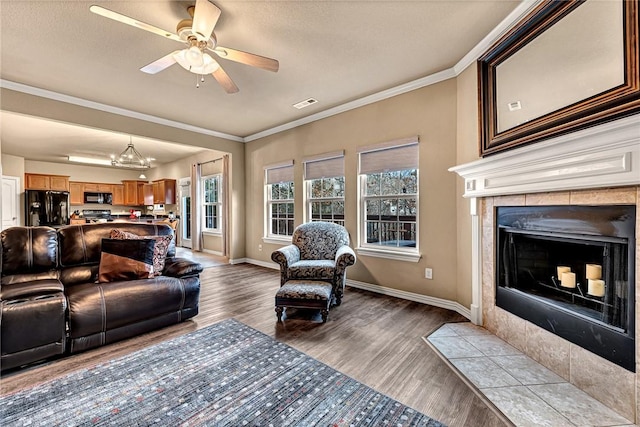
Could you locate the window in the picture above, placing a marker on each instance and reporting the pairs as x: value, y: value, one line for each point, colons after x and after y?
x: 324, y: 178
x: 211, y: 203
x: 389, y: 200
x: 280, y: 200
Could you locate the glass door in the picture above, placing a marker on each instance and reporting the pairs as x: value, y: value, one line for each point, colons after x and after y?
x: 185, y: 212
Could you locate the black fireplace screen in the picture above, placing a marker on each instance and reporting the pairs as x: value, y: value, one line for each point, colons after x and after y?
x: 570, y: 270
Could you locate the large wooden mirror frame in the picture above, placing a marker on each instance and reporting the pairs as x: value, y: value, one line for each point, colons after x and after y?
x: 614, y: 102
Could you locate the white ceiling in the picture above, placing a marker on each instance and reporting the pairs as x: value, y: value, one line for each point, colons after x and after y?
x: 334, y: 51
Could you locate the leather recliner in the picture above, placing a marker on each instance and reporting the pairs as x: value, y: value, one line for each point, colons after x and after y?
x: 33, y: 304
x: 51, y: 305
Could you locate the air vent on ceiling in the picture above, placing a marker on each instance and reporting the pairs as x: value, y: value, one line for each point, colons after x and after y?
x: 513, y: 106
x: 305, y: 103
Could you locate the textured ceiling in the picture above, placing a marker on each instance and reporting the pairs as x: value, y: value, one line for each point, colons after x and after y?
x: 334, y: 51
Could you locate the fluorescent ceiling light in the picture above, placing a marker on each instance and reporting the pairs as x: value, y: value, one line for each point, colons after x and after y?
x: 90, y: 160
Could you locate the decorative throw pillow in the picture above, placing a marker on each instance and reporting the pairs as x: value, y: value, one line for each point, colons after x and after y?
x: 160, y: 251
x: 126, y: 259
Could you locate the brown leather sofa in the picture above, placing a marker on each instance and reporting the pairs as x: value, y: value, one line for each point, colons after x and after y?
x: 51, y: 304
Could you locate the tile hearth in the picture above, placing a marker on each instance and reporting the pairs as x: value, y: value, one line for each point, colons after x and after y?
x: 527, y: 393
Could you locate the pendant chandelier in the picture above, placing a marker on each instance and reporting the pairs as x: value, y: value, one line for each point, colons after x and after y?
x: 131, y: 158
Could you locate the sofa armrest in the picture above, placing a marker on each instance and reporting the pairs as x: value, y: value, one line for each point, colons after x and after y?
x: 345, y: 256
x: 31, y: 288
x: 286, y: 256
x: 181, y: 267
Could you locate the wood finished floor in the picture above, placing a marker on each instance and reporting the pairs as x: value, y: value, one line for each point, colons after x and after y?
x: 373, y: 338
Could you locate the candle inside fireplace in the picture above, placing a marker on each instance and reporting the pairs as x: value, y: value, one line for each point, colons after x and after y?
x: 568, y: 280
x: 594, y: 271
x: 562, y: 269
x: 596, y: 287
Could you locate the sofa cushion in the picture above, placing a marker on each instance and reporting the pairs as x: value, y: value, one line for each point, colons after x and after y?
x: 95, y: 308
x: 80, y: 244
x: 319, y: 240
x: 304, y: 290
x: 320, y: 269
x: 126, y: 259
x: 159, y: 252
x: 31, y: 252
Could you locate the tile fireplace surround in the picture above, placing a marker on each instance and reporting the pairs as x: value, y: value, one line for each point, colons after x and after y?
x: 596, y: 166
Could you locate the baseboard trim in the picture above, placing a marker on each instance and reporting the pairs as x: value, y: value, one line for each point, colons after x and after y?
x: 266, y: 264
x: 424, y: 299
x: 209, y: 251
x: 411, y: 296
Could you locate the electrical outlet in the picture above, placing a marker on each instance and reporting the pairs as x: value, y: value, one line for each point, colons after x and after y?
x: 428, y: 273
x: 260, y: 247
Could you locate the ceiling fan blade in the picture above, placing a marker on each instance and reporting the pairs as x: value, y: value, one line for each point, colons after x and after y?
x: 133, y: 22
x: 247, y: 58
x: 225, y: 81
x: 205, y: 18
x: 161, y: 64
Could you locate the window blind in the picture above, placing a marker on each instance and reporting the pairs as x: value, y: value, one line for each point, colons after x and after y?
x: 389, y: 156
x: 328, y: 165
x: 282, y: 172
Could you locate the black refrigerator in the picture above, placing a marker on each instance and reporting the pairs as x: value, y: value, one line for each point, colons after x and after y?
x: 50, y: 208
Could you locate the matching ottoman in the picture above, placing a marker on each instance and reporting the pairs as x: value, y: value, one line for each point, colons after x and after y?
x: 304, y: 294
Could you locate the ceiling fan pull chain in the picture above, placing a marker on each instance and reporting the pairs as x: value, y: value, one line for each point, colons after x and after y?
x: 197, y: 82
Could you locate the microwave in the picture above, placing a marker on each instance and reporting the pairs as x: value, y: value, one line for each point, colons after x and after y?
x: 99, y: 198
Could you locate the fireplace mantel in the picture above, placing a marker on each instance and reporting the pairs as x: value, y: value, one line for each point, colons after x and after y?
x: 603, y: 156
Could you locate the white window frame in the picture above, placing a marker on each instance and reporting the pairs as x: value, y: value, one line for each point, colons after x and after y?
x: 217, y: 204
x: 311, y: 200
x: 409, y: 254
x: 324, y: 167
x: 269, y: 235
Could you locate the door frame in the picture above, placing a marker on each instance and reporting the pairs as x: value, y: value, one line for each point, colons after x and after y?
x: 16, y: 182
x: 184, y: 242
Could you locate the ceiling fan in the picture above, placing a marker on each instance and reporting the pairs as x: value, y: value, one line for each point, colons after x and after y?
x: 197, y: 33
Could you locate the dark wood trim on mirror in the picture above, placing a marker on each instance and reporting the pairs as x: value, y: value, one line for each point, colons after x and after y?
x: 619, y: 101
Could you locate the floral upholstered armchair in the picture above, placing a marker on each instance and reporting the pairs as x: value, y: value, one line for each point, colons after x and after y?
x: 318, y: 251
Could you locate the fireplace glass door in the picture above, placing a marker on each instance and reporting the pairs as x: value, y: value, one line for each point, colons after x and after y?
x: 532, y: 261
x: 570, y: 270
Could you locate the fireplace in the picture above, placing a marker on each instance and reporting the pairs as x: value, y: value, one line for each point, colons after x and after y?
x: 570, y: 270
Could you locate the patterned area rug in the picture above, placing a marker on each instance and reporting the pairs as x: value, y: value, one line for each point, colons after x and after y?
x: 227, y: 374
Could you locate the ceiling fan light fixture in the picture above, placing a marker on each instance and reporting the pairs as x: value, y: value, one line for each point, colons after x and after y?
x: 194, y: 56
x: 199, y: 35
x: 208, y: 66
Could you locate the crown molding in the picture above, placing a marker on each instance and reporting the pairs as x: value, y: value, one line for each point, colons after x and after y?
x: 514, y: 17
x: 44, y: 93
x: 370, y: 99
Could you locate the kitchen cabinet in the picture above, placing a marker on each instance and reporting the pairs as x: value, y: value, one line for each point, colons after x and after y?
x: 147, y: 191
x: 141, y: 199
x: 96, y: 187
x: 76, y: 193
x: 36, y: 181
x: 133, y: 192
x: 164, y: 191
x: 130, y: 192
x: 118, y: 194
